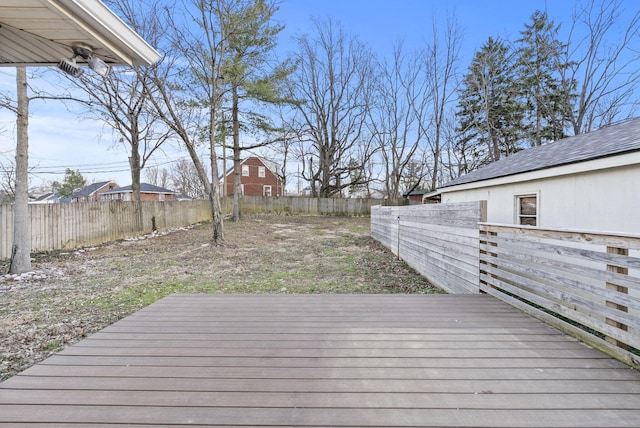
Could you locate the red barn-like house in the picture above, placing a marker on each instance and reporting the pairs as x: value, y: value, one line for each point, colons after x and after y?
x: 257, y: 177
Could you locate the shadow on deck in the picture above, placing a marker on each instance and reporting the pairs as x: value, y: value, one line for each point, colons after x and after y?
x: 326, y: 360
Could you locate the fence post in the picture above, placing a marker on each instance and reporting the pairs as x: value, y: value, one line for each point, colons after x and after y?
x: 484, y: 234
x: 398, y: 240
x: 619, y: 289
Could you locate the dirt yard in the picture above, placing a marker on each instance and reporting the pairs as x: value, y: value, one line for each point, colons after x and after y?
x: 72, y: 294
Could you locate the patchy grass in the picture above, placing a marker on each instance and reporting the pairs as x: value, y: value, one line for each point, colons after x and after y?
x: 262, y: 254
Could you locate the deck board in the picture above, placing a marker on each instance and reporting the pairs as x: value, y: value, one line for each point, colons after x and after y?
x: 326, y: 360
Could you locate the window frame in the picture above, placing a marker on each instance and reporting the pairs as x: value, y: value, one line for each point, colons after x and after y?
x: 262, y: 172
x: 245, y: 170
x: 264, y: 190
x: 518, y: 205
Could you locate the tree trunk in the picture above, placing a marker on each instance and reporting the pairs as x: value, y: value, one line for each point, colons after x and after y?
x: 214, y: 189
x: 214, y: 198
x: 134, y: 160
x: 237, y: 183
x: 21, y: 250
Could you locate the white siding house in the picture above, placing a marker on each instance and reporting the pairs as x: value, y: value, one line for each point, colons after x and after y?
x: 589, y: 182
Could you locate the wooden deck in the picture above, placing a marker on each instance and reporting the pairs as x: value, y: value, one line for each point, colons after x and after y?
x: 326, y: 360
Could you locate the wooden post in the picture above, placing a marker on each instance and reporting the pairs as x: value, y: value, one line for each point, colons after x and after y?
x: 619, y: 289
x: 484, y: 232
x: 398, y: 238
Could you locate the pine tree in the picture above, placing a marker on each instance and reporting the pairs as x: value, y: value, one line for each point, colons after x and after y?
x: 73, y: 181
x: 489, y: 108
x: 539, y: 70
x: 250, y: 37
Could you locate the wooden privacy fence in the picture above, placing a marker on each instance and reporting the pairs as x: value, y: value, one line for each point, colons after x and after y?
x: 439, y: 241
x: 585, y: 283
x: 302, y: 205
x: 69, y: 226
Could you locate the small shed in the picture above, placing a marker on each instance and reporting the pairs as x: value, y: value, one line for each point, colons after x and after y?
x: 415, y: 196
x: 587, y: 182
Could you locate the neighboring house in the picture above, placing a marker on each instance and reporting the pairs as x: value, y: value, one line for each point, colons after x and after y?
x: 257, y: 177
x: 415, y: 196
x: 92, y: 192
x: 148, y: 192
x: 366, y: 194
x: 307, y: 191
x: 51, y: 198
x: 587, y: 182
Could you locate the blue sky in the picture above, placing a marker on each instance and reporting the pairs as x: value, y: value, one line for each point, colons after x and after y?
x: 379, y: 23
x: 59, y: 139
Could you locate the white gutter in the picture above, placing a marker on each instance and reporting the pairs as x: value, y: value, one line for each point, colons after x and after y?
x: 99, y: 21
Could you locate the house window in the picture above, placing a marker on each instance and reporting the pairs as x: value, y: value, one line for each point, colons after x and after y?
x: 266, y: 190
x: 245, y: 170
x: 261, y: 172
x: 161, y: 197
x: 527, y: 210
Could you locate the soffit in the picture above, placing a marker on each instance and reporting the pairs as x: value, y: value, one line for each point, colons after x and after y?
x: 42, y: 32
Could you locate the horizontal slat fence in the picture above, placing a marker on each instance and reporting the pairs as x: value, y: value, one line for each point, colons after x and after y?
x: 76, y: 225
x: 585, y: 283
x: 439, y: 241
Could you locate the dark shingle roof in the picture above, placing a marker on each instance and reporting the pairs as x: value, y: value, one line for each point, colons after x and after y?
x: 89, y: 189
x: 612, y: 140
x: 144, y: 187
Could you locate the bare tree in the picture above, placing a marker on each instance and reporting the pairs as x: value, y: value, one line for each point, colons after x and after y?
x: 172, y: 102
x: 441, y: 73
x: 185, y: 178
x: 123, y: 103
x: 123, y: 100
x: 7, y: 179
x: 156, y: 176
x: 183, y: 84
x: 190, y: 88
x: 602, y: 80
x: 283, y: 146
x: 397, y: 115
x: 333, y: 83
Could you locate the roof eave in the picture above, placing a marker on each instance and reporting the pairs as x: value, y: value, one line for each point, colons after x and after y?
x: 102, y: 23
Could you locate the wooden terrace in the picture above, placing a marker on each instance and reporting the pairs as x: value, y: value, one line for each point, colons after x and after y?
x: 326, y: 360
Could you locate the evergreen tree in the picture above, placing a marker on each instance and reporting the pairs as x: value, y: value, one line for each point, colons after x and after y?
x: 250, y: 37
x: 490, y: 111
x: 539, y: 74
x: 73, y: 181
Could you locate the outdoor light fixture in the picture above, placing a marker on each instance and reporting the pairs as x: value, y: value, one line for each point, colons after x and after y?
x: 70, y: 66
x: 99, y: 66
